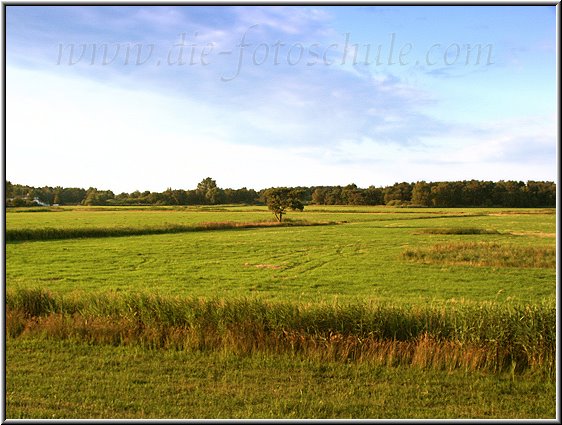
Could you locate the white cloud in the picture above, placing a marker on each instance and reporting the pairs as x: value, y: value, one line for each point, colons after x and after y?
x: 75, y: 132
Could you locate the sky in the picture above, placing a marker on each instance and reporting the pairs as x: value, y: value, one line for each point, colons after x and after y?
x: 139, y: 97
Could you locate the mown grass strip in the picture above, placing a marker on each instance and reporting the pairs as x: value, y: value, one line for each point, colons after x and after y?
x: 484, y: 254
x: 46, y: 233
x: 487, y: 337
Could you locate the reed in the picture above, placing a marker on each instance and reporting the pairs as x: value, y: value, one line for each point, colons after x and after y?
x: 489, y: 337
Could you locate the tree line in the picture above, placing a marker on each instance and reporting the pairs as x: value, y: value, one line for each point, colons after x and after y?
x: 466, y: 193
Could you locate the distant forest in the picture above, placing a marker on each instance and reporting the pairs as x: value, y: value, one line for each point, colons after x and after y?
x: 466, y: 193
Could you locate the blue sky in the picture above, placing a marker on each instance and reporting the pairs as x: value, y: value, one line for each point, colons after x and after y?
x: 144, y: 97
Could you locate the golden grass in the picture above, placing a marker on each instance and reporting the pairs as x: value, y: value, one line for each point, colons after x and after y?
x: 491, y: 338
x: 534, y: 234
x: 483, y: 254
x: 425, y: 351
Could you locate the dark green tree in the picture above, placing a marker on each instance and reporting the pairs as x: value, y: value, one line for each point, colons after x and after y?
x: 476, y: 193
x: 373, y: 196
x: 442, y: 194
x: 421, y: 194
x: 540, y: 194
x: 97, y: 197
x: 319, y: 196
x: 9, y: 190
x: 72, y: 195
x: 400, y: 192
x: 280, y: 199
x: 208, y: 192
x: 352, y: 195
x: 334, y: 196
x: 19, y: 202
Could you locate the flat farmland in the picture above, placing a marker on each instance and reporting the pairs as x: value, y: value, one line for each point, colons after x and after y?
x: 353, y: 297
x: 359, y: 258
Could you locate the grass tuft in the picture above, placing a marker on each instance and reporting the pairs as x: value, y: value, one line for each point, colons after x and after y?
x: 484, y: 254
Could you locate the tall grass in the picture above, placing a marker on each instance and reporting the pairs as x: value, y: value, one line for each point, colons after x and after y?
x: 46, y: 233
x: 488, y: 337
x: 490, y: 254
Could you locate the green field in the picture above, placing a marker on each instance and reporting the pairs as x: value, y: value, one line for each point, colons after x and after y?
x: 290, y: 329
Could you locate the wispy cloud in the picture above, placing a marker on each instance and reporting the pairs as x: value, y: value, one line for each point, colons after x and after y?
x: 306, y: 21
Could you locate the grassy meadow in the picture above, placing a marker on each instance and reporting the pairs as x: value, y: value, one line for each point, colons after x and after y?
x: 341, y: 312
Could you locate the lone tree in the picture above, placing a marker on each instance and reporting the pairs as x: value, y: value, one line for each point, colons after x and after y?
x: 279, y: 199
